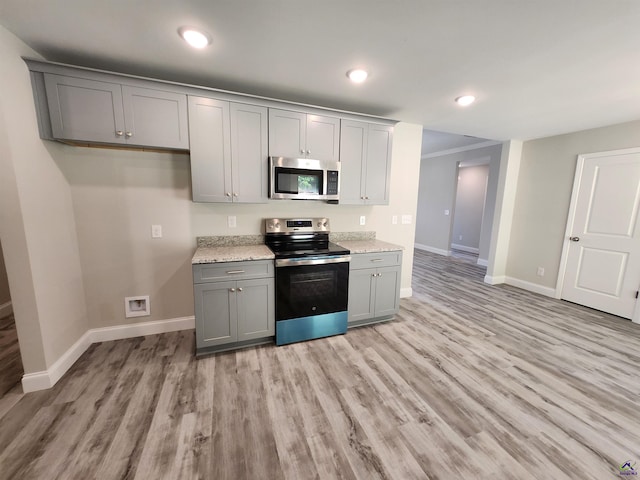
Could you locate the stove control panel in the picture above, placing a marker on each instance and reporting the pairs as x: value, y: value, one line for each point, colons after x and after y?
x: 296, y: 225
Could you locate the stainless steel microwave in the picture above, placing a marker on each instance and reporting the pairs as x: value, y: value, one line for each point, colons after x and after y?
x: 303, y: 179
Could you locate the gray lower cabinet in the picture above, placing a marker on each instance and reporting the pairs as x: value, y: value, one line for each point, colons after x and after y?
x: 93, y: 111
x: 228, y: 151
x: 374, y: 287
x: 365, y: 158
x: 234, y: 304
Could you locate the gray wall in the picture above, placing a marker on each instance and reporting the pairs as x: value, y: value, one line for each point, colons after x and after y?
x: 5, y: 296
x: 437, y: 192
x: 544, y: 190
x: 469, y: 209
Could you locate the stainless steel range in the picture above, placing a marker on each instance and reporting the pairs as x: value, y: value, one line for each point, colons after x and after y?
x: 312, y: 279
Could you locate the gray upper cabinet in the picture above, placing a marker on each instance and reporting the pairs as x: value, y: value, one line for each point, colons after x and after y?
x: 301, y: 135
x: 228, y: 151
x: 103, y: 112
x: 365, y: 157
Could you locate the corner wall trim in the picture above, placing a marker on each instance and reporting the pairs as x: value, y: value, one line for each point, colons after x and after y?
x: 406, y: 292
x: 44, y: 379
x: 483, y: 262
x: 495, y: 280
x: 427, y: 248
x: 6, y: 309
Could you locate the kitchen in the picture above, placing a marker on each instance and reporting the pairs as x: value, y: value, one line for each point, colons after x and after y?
x: 87, y: 224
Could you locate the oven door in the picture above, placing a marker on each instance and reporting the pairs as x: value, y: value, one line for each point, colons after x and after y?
x: 309, y: 286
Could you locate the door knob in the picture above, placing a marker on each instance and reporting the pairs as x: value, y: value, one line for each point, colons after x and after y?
x: 574, y: 239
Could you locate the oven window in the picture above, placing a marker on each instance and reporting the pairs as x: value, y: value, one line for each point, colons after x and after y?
x: 296, y: 180
x: 302, y: 291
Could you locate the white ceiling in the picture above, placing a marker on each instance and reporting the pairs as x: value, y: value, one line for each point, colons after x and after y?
x: 538, y: 67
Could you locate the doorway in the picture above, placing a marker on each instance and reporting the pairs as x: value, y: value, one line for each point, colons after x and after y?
x: 11, y: 370
x: 600, y: 266
x: 471, y: 193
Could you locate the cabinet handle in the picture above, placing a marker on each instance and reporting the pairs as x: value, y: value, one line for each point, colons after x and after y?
x: 228, y: 194
x: 232, y: 289
x: 119, y: 133
x: 230, y: 272
x: 377, y: 259
x: 361, y: 198
x: 240, y: 289
x: 128, y: 134
x: 366, y: 198
x: 308, y: 152
x: 235, y: 194
x: 302, y: 151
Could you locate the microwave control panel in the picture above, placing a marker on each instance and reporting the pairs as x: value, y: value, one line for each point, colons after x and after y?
x: 332, y: 182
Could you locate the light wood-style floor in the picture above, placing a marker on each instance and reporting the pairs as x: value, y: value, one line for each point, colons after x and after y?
x: 470, y: 381
x: 11, y: 370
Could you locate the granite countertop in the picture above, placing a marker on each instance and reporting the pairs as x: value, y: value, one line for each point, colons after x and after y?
x: 369, y: 246
x: 236, y: 248
x: 239, y: 248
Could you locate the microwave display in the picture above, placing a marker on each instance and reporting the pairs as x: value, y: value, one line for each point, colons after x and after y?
x: 299, y: 181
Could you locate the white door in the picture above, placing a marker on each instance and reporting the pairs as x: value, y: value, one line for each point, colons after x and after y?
x: 602, y: 244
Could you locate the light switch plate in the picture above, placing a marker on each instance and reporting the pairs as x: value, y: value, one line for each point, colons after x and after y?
x: 231, y: 221
x: 394, y: 220
x: 363, y: 220
x: 156, y: 231
x: 406, y: 219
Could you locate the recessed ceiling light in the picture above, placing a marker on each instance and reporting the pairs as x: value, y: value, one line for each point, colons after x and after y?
x: 465, y: 100
x: 194, y: 37
x: 357, y: 75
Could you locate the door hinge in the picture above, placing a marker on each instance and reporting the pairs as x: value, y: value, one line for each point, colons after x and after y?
x: 637, y: 293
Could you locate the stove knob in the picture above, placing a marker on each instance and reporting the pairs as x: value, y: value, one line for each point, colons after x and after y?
x: 277, y: 225
x: 325, y: 224
x: 319, y: 224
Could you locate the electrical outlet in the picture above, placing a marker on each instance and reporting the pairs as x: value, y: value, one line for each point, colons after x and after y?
x: 363, y: 220
x: 156, y: 231
x: 540, y: 272
x: 459, y: 237
x: 406, y: 219
x: 446, y: 212
x: 394, y: 220
x: 231, y: 221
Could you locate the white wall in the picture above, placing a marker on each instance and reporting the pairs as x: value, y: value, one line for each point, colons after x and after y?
x: 37, y: 224
x: 543, y: 196
x: 469, y: 209
x: 437, y: 191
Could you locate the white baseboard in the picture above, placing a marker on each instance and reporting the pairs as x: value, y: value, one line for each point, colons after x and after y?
x: 427, y: 248
x: 495, y: 280
x: 406, y: 292
x: 32, y: 382
x: 6, y: 309
x: 464, y: 248
x: 531, y: 287
x: 483, y: 262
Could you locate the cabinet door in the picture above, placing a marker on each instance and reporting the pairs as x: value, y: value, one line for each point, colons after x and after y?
x: 249, y: 151
x: 85, y: 110
x: 287, y: 133
x: 216, y: 313
x: 361, y: 294
x: 353, y: 151
x: 256, y: 310
x: 210, y: 139
x: 323, y: 138
x: 155, y: 118
x: 378, y: 167
x: 387, y: 298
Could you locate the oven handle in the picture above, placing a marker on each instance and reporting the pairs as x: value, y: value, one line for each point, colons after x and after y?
x: 294, y: 262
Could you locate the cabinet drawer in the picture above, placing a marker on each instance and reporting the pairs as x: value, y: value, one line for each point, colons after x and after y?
x: 375, y: 260
x: 212, y: 272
